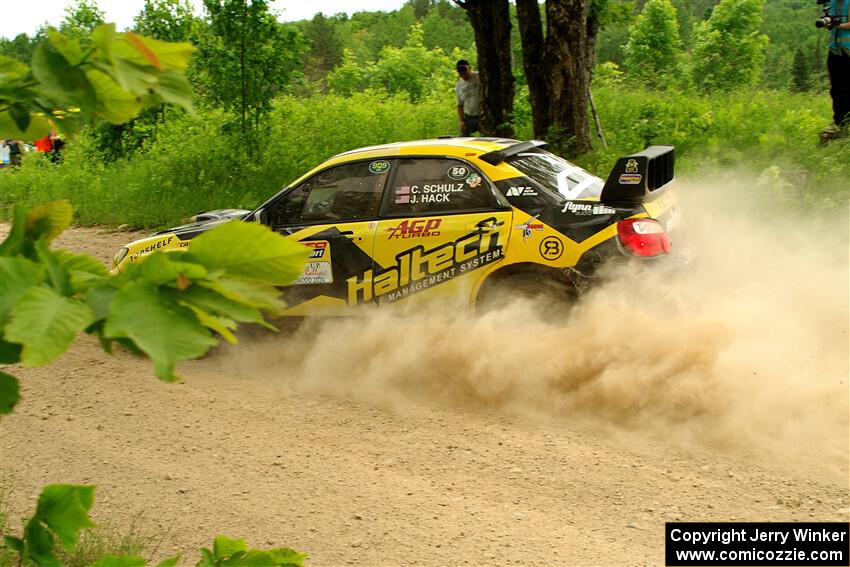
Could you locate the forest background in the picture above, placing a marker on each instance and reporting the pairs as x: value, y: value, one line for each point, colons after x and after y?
x: 735, y: 85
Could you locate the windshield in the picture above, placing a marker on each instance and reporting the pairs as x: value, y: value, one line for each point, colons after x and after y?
x: 568, y: 180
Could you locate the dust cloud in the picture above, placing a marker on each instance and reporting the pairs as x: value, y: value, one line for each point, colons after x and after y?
x: 746, y: 349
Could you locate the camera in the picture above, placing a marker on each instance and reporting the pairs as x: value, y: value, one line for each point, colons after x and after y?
x: 826, y: 21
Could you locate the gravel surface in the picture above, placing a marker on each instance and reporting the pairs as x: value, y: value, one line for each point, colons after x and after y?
x: 244, y: 448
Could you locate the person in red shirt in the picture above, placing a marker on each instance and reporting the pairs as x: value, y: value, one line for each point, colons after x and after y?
x: 44, y: 144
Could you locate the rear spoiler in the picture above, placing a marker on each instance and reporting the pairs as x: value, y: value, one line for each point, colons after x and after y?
x: 638, y: 176
x: 498, y: 156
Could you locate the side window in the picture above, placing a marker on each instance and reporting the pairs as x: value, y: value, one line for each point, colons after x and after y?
x: 344, y: 193
x: 431, y: 186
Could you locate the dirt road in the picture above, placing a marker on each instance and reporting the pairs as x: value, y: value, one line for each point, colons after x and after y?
x: 468, y: 448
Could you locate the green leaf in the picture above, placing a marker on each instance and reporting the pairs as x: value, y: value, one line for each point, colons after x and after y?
x: 12, y: 70
x: 102, y: 37
x: 17, y: 276
x: 10, y: 353
x: 64, y: 508
x: 165, y: 330
x: 119, y: 561
x: 56, y: 272
x: 207, y: 559
x: 166, y: 267
x: 99, y: 298
x: 159, y: 54
x: 209, y: 300
x: 14, y: 241
x: 60, y: 80
x: 39, y: 544
x: 20, y: 115
x: 14, y: 543
x: 221, y: 325
x: 69, y: 47
x: 49, y: 220
x: 10, y: 392
x: 250, y: 250
x: 114, y: 104
x: 37, y: 128
x: 286, y: 556
x: 173, y: 87
x: 46, y: 323
x: 253, y: 294
x: 86, y: 272
x: 224, y: 546
x: 170, y: 562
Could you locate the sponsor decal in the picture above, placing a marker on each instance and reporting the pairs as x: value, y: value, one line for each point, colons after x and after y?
x: 415, y: 228
x: 587, y: 209
x: 528, y: 226
x: 319, y: 247
x: 551, y: 248
x: 473, y: 180
x: 630, y: 179
x: 418, y: 269
x: 318, y: 270
x: 632, y: 166
x: 154, y: 246
x: 521, y: 192
x: 458, y: 172
x: 315, y: 273
x: 379, y: 166
x: 402, y: 195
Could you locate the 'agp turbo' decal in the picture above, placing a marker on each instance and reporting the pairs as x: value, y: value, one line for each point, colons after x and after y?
x: 418, y: 269
x: 415, y: 228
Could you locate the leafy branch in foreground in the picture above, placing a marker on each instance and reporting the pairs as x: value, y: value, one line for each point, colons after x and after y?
x: 168, y: 307
x: 109, y: 75
x: 62, y: 513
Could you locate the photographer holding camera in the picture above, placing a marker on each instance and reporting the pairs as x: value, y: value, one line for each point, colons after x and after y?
x: 836, y: 20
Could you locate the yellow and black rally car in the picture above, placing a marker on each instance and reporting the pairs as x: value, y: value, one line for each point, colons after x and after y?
x: 454, y: 218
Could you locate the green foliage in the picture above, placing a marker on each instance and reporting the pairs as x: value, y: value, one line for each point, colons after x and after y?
x: 653, y: 50
x: 69, y: 85
x: 192, y: 164
x: 411, y: 69
x: 800, y: 80
x: 166, y: 306
x: 166, y: 20
x: 81, y: 19
x: 62, y: 513
x: 235, y: 552
x: 21, y: 46
x: 246, y: 58
x: 729, y: 47
x: 752, y: 131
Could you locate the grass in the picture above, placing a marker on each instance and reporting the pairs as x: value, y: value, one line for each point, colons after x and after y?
x: 194, y: 164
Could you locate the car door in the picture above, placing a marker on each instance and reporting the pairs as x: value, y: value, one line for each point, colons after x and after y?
x: 334, y: 212
x: 442, y: 224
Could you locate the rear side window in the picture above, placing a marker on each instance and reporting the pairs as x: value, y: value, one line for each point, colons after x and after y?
x: 344, y: 193
x: 558, y: 175
x: 432, y: 186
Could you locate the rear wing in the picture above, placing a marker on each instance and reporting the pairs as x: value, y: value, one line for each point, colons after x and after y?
x: 639, y: 176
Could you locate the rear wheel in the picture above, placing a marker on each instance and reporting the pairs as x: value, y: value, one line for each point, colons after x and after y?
x: 545, y: 293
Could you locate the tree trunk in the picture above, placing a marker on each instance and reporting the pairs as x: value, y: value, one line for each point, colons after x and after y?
x: 492, y: 24
x: 531, y: 35
x: 567, y: 61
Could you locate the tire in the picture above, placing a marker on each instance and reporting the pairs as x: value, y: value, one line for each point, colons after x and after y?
x: 547, y: 294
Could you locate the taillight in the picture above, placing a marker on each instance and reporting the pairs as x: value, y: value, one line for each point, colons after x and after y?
x: 643, y: 237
